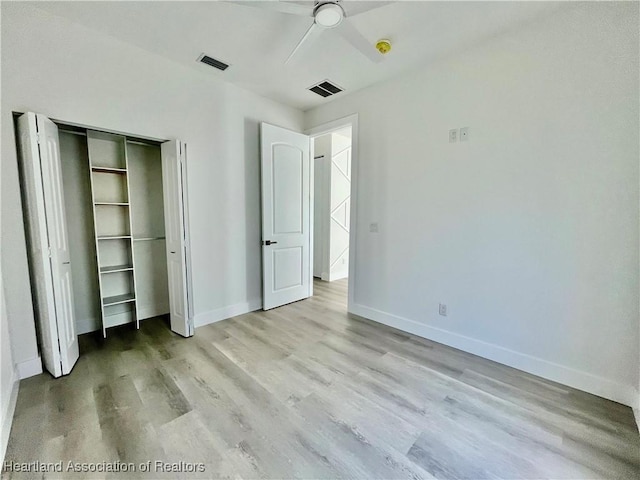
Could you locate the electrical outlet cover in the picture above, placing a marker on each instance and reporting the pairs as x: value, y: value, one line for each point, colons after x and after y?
x: 464, y: 134
x: 453, y: 135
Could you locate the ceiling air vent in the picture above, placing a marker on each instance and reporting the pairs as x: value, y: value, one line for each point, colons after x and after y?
x: 325, y: 89
x: 212, y: 62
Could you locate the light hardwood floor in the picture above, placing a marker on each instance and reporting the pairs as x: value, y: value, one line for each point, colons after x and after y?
x: 304, y: 391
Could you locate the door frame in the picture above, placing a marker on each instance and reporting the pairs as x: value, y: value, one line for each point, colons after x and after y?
x: 317, y: 131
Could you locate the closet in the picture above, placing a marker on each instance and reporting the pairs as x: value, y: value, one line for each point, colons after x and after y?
x: 107, y: 233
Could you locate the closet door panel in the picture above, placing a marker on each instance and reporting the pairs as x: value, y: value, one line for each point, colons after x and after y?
x: 58, y: 241
x: 40, y: 267
x: 175, y: 207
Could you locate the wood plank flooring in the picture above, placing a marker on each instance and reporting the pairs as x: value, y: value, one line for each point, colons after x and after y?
x: 304, y: 391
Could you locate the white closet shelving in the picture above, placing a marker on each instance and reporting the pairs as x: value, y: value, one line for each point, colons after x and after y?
x: 110, y: 192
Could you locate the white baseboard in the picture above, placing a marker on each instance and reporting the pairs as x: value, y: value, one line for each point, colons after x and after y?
x: 603, y: 387
x: 29, y: 368
x: 93, y: 324
x: 338, y: 275
x: 7, y: 415
x: 212, y: 316
x: 86, y: 325
x: 150, y: 310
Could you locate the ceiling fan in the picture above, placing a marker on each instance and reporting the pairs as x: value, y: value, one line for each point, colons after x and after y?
x: 328, y: 15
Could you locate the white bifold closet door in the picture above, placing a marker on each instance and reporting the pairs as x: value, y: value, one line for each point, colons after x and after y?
x: 286, y: 216
x: 174, y: 176
x: 47, y: 226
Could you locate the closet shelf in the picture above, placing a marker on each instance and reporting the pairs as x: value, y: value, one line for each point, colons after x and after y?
x: 146, y: 239
x: 109, y: 169
x: 113, y: 237
x: 117, y: 299
x: 116, y: 268
x: 117, y: 204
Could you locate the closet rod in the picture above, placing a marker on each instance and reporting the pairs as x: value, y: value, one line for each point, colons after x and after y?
x: 136, y: 142
x: 82, y: 134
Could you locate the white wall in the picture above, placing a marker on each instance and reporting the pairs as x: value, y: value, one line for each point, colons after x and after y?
x: 529, y: 231
x: 8, y: 377
x: 71, y: 73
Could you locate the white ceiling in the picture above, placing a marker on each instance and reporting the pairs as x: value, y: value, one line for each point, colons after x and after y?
x: 256, y: 41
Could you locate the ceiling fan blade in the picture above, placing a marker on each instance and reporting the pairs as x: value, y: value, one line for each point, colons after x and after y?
x: 289, y: 8
x: 353, y: 8
x: 313, y: 29
x: 355, y: 38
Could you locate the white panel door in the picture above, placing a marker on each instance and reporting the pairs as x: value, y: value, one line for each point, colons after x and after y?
x: 50, y: 258
x: 176, y: 231
x: 286, y: 232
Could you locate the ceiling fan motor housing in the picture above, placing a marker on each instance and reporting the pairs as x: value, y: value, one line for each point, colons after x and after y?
x: 328, y: 14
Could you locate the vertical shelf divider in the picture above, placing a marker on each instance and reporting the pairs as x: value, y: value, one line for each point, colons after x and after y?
x: 95, y: 235
x: 133, y: 260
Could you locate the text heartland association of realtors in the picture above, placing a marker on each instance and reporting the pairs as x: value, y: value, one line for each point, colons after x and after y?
x: 111, y: 467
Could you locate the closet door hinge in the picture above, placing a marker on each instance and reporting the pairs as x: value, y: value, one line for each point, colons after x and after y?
x: 49, y: 251
x: 38, y: 139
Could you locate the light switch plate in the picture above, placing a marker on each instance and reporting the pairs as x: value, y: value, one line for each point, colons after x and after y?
x: 453, y: 135
x: 373, y: 227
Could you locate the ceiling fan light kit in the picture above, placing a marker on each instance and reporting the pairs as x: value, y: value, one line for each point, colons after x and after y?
x: 328, y: 15
x: 332, y: 15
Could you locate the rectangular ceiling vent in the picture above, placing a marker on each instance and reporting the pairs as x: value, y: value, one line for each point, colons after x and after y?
x: 212, y: 62
x: 325, y: 89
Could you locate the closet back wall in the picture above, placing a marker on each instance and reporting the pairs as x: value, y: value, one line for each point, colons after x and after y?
x: 68, y: 72
x: 78, y: 207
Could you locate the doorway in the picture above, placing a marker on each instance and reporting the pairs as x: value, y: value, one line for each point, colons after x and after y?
x: 332, y: 204
x: 334, y: 148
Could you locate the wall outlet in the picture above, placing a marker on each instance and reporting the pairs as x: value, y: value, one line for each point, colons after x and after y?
x: 464, y: 134
x: 373, y: 227
x: 453, y: 135
x: 442, y: 309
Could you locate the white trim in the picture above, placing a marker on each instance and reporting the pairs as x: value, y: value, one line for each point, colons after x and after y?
x: 603, y: 387
x: 348, y: 121
x: 88, y: 324
x: 636, y: 414
x: 213, y: 316
x: 29, y: 368
x: 7, y: 415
